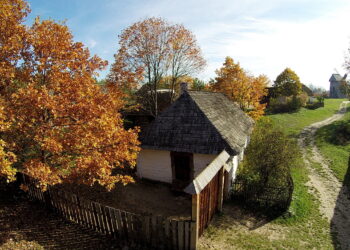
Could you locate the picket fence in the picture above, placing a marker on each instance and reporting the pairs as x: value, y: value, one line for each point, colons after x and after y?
x: 155, y: 232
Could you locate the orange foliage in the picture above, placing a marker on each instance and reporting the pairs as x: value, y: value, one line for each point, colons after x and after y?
x: 151, y: 50
x: 63, y: 127
x: 241, y: 87
x: 13, y: 35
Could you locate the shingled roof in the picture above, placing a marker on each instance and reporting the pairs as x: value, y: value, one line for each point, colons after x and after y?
x: 337, y: 78
x: 199, y: 122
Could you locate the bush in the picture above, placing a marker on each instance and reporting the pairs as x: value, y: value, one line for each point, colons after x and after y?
x: 269, y: 156
x: 314, y: 105
x: 289, y: 104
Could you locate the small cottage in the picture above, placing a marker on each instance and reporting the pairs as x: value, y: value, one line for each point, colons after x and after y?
x: 189, y: 136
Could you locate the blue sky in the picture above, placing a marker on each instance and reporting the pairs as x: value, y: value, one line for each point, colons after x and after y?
x: 309, y: 36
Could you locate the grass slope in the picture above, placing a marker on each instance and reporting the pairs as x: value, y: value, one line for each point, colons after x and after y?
x: 305, y: 228
x: 293, y: 123
x: 338, y: 155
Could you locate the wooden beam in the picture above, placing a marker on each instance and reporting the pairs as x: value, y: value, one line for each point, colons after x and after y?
x: 221, y: 188
x: 195, y: 221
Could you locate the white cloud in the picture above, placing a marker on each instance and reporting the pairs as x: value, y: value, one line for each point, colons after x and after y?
x: 310, y: 36
x: 312, y: 48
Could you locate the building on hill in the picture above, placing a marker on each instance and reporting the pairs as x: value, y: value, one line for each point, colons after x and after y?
x: 336, y: 81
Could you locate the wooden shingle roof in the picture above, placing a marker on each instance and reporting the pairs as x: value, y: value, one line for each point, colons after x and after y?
x: 199, y: 122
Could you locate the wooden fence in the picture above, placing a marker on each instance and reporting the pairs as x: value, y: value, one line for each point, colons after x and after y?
x: 155, y: 232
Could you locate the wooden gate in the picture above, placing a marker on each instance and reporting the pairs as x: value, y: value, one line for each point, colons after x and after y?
x: 208, y: 202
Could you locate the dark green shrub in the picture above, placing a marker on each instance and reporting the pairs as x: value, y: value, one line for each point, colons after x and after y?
x: 290, y: 104
x: 269, y: 156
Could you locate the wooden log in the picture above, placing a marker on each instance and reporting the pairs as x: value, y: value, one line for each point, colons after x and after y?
x: 103, y: 218
x: 114, y: 222
x: 80, y: 217
x: 83, y: 212
x: 161, y: 232
x: 187, y: 234
x: 147, y: 224
x: 120, y: 224
x: 138, y: 228
x: 91, y: 215
x: 154, y: 236
x: 221, y: 188
x: 174, y: 234
x: 130, y: 227
x: 195, y: 221
x: 108, y: 220
x: 167, y: 234
x: 96, y: 217
x: 68, y: 205
x: 180, y: 237
x: 125, y: 225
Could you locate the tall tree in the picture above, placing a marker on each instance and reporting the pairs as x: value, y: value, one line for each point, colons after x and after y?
x: 151, y: 50
x: 240, y: 87
x: 13, y: 36
x: 63, y: 127
x: 288, y: 83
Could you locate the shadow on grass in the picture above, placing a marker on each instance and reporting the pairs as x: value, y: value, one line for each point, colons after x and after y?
x: 340, y: 223
x: 336, y: 133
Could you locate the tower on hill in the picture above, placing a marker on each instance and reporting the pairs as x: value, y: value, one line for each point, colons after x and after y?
x: 336, y: 81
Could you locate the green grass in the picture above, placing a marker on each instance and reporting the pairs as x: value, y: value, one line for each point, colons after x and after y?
x: 293, y: 123
x: 337, y: 155
x: 303, y: 203
x: 305, y: 228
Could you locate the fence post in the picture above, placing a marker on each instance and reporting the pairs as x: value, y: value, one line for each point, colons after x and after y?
x: 195, y: 221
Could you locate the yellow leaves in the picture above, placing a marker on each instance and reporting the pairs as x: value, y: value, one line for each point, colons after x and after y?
x: 241, y: 87
x: 63, y: 127
x: 51, y: 145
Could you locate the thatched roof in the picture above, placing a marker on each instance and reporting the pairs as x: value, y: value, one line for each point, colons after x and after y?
x: 199, y: 122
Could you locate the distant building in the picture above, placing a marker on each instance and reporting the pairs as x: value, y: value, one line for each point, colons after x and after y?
x: 336, y: 81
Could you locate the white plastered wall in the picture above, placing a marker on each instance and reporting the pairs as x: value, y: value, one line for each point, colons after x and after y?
x: 201, y: 161
x: 154, y: 165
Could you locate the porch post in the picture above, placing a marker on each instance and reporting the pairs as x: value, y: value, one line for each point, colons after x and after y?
x: 221, y: 188
x: 195, y: 221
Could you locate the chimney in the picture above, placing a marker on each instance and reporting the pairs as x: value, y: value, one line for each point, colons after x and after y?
x: 183, y: 87
x: 345, y: 76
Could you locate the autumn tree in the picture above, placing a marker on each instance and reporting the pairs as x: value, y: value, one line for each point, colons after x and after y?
x: 13, y: 45
x: 13, y: 48
x: 151, y: 50
x: 241, y: 87
x: 63, y: 128
x: 288, y: 83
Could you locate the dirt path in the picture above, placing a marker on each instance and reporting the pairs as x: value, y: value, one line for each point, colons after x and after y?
x: 333, y: 196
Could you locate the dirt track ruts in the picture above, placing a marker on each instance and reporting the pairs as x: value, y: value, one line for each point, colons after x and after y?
x: 333, y: 196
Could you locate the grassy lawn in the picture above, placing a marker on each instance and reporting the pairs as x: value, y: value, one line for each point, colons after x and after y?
x: 293, y: 123
x: 338, y: 155
x: 305, y: 228
x: 303, y: 203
